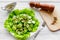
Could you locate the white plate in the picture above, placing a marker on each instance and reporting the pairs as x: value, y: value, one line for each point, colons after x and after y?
x: 4, y: 34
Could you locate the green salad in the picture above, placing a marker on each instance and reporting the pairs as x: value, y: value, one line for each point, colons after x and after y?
x: 20, y: 23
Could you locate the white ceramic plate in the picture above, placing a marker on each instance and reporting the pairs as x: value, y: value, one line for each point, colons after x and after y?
x: 4, y: 34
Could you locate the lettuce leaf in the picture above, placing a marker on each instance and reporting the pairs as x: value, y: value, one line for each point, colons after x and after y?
x: 8, y: 24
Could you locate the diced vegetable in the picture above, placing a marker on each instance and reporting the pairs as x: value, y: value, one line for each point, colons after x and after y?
x: 21, y: 23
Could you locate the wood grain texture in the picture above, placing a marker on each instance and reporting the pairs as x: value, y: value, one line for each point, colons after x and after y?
x: 49, y: 18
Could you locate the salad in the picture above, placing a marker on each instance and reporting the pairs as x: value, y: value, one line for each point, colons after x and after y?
x: 20, y: 23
